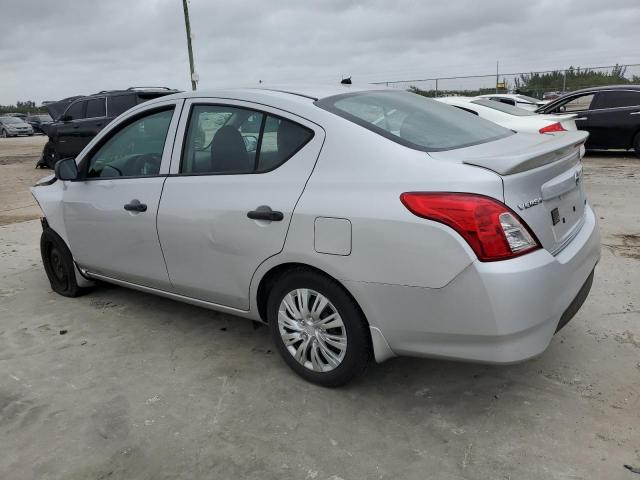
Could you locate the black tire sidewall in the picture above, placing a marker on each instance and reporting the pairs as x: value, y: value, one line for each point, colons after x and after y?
x: 358, y: 335
x: 48, y: 240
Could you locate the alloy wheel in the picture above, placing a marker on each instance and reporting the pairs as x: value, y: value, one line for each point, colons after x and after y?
x: 312, y: 330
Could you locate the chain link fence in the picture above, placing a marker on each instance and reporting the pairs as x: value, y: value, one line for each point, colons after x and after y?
x: 542, y: 84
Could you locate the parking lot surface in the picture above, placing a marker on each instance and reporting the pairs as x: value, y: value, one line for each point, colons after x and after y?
x: 121, y: 385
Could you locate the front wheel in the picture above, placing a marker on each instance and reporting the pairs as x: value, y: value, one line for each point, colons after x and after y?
x: 49, y: 155
x: 318, y: 328
x: 58, y: 264
x: 3, y: 133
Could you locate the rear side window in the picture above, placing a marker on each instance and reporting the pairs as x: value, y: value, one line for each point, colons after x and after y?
x: 413, y: 120
x: 617, y: 99
x: 76, y: 111
x: 95, y: 108
x: 120, y: 104
x: 222, y: 139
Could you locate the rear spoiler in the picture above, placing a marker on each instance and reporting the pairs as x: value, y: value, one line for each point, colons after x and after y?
x: 553, y: 148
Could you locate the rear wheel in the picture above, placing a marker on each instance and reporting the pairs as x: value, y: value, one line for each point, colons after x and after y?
x: 318, y: 328
x: 636, y: 144
x: 58, y: 264
x: 3, y: 133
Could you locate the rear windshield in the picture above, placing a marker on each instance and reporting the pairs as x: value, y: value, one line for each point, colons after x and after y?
x: 503, y: 107
x: 413, y: 120
x: 528, y: 99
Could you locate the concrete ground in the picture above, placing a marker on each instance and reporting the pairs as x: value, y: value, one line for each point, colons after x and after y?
x: 123, y: 385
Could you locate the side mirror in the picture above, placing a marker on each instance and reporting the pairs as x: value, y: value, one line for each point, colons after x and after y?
x: 250, y: 143
x: 66, y: 169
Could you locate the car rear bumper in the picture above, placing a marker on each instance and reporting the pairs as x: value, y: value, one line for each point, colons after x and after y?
x: 494, y: 312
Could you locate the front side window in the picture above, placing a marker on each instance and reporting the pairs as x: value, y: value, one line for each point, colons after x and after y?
x: 577, y: 104
x: 413, y: 120
x: 95, y: 108
x: 222, y: 139
x: 76, y: 111
x: 134, y: 150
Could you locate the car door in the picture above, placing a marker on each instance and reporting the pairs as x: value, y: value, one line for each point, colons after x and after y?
x: 580, y: 105
x: 69, y: 143
x: 226, y: 207
x: 93, y: 122
x: 110, y: 211
x: 614, y: 118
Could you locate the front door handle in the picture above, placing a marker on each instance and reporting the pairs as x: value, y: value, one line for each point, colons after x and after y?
x: 634, y: 113
x: 135, y: 206
x: 581, y: 119
x: 265, y: 213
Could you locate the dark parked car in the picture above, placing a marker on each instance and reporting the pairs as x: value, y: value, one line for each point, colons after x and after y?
x: 611, y: 115
x: 76, y: 120
x: 39, y: 123
x: 14, y: 126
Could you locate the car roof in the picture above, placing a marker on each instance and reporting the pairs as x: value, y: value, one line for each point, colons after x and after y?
x: 604, y: 87
x: 310, y: 92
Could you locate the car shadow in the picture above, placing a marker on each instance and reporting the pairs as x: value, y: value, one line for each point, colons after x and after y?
x: 419, y: 379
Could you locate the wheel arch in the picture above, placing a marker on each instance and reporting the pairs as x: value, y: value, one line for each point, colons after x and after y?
x: 271, y: 275
x: 268, y: 277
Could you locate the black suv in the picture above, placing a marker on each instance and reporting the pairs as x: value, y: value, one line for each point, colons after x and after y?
x: 76, y: 120
x: 611, y: 115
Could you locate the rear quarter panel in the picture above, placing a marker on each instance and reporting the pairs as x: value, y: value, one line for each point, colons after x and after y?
x: 360, y: 177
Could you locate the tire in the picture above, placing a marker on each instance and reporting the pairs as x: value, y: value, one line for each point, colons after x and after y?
x: 3, y: 133
x: 636, y: 144
x: 332, y: 354
x: 58, y: 264
x: 49, y: 155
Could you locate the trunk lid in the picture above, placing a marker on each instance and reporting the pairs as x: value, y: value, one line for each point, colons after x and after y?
x: 542, y: 180
x: 567, y: 120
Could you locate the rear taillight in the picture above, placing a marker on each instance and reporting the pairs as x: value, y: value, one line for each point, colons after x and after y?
x: 554, y: 127
x: 493, y: 230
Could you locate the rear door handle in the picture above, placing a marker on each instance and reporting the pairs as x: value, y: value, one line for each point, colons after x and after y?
x: 634, y: 113
x: 265, y: 213
x: 135, y: 206
x: 580, y: 119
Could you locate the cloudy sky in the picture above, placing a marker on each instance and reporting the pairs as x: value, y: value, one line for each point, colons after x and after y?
x: 53, y: 49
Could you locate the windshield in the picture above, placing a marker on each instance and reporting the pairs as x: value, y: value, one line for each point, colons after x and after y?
x: 44, y: 118
x: 413, y: 120
x: 503, y: 107
x: 11, y: 120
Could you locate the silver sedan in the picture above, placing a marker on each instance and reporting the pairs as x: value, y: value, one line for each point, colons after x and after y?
x: 355, y: 222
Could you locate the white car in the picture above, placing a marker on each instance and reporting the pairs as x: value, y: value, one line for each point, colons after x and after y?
x: 431, y: 232
x: 514, y: 118
x: 516, y: 100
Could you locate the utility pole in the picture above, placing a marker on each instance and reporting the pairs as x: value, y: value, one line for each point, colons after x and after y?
x: 497, y: 62
x: 194, y: 77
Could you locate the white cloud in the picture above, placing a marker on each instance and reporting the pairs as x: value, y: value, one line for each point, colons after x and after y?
x: 59, y: 48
